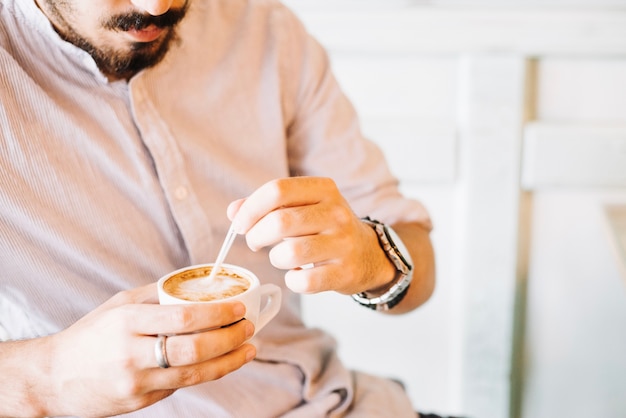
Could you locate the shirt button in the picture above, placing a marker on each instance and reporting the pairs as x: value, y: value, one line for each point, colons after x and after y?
x: 181, y: 192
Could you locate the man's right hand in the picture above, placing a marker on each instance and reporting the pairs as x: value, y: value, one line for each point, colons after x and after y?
x: 104, y: 364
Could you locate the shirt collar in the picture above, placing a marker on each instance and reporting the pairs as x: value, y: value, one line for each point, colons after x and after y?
x: 34, y: 17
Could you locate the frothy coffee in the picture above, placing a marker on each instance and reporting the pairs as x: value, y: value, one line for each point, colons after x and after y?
x: 193, y: 285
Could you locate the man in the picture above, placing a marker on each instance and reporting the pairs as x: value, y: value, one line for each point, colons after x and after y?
x: 132, y: 132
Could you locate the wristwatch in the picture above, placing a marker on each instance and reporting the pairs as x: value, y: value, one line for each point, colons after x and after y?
x: 398, y: 254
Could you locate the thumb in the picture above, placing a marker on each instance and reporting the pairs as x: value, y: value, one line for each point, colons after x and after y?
x: 233, y: 208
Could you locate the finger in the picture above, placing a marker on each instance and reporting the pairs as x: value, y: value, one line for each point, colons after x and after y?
x: 233, y: 208
x: 321, y: 278
x: 286, y: 192
x: 183, y: 376
x: 295, y: 252
x: 143, y: 294
x: 146, y: 294
x: 326, y: 217
x: 286, y: 222
x: 195, y: 348
x: 150, y: 319
x: 308, y: 281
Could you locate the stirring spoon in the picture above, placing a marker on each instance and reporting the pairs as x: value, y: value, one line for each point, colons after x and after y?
x: 228, y: 242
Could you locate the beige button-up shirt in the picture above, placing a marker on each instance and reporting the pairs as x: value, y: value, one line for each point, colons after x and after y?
x: 108, y: 186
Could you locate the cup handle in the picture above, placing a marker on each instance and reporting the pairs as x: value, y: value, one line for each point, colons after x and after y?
x: 271, y: 295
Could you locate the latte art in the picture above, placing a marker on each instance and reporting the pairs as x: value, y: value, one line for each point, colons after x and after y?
x: 193, y: 285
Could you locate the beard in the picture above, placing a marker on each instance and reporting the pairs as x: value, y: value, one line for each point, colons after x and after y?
x: 123, y: 64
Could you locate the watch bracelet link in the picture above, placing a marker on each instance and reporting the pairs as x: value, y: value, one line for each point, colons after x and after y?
x: 404, y: 270
x: 385, y: 302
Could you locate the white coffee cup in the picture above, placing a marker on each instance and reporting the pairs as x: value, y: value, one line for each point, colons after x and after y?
x: 262, y: 301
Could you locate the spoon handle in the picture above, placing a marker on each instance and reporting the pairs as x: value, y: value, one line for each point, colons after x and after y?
x: 228, y: 242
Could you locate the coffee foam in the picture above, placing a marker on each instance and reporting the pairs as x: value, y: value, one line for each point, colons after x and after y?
x: 193, y: 285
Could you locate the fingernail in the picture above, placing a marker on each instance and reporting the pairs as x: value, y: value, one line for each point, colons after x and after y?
x: 249, y: 330
x: 250, y: 354
x: 239, y: 309
x: 236, y: 225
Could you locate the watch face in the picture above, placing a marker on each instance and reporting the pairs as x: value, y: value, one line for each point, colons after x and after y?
x: 399, y: 248
x: 396, y: 252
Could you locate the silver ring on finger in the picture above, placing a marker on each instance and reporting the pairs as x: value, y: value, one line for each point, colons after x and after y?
x: 160, y: 353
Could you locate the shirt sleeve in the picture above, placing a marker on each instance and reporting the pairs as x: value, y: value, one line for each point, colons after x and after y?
x: 325, y: 138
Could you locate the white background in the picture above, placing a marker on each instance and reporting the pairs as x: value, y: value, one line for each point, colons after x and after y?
x: 508, y: 120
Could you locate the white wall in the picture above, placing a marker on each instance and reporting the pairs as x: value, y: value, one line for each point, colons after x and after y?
x: 509, y: 123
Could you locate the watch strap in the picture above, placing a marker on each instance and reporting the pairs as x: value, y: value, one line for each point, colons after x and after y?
x: 399, y: 256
